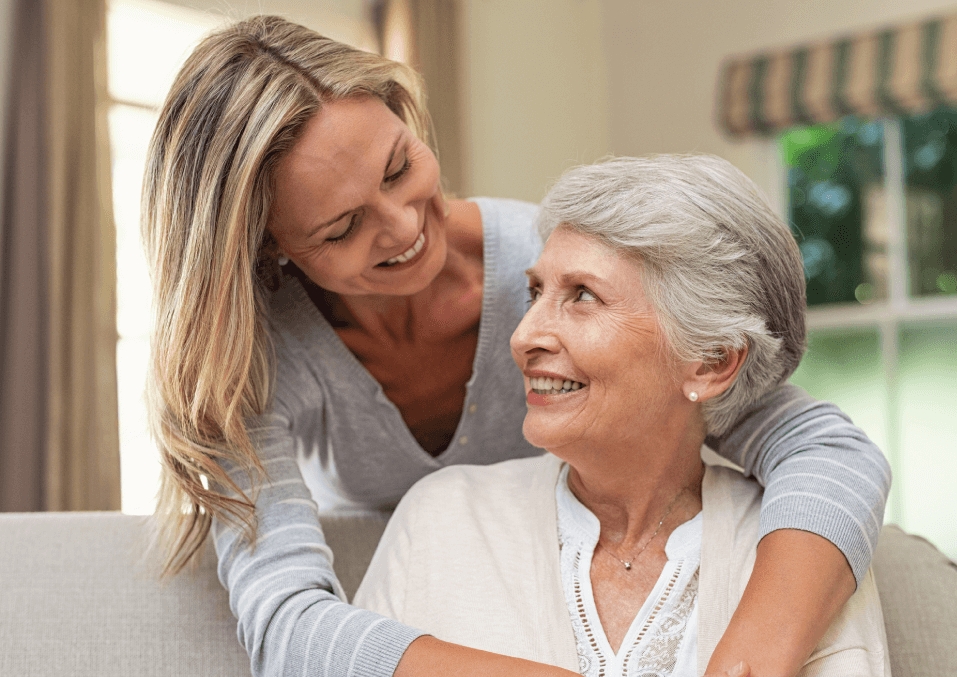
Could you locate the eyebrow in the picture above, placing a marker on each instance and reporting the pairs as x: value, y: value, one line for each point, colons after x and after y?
x: 326, y: 224
x: 568, y: 278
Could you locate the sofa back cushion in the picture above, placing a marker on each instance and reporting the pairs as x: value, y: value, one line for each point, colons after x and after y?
x: 80, y: 599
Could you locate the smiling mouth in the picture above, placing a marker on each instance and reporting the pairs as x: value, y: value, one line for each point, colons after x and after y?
x: 407, y: 254
x: 553, y: 386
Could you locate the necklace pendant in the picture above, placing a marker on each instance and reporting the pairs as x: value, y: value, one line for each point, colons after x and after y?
x: 627, y: 566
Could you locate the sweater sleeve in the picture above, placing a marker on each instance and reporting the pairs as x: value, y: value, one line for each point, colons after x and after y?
x: 292, y: 619
x: 821, y: 473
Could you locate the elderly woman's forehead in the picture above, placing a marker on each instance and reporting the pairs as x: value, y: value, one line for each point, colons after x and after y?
x: 583, y: 239
x: 570, y: 249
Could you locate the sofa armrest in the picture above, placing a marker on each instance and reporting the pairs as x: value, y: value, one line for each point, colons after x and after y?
x: 918, y: 589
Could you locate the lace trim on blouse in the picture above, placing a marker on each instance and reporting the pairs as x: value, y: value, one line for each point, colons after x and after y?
x: 662, y: 639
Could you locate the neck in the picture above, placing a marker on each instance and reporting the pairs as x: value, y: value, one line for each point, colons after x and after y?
x: 631, y: 491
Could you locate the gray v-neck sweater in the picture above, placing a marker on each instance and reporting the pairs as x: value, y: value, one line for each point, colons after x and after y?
x: 333, y: 441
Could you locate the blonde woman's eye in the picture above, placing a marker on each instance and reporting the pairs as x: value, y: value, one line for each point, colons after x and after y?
x: 400, y: 172
x: 353, y: 223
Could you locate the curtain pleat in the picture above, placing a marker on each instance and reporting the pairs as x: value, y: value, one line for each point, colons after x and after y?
x: 82, y: 469
x: 23, y: 279
x: 59, y: 446
x: 889, y: 72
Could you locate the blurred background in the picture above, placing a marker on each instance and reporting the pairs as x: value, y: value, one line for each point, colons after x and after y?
x: 844, y: 112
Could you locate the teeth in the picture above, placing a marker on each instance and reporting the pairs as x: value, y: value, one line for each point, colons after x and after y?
x: 544, y: 385
x: 409, y: 253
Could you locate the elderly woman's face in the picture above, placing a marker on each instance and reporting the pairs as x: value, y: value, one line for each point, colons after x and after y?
x: 596, y: 368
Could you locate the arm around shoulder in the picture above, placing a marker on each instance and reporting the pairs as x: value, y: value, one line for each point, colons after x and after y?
x: 283, y: 590
x: 821, y: 473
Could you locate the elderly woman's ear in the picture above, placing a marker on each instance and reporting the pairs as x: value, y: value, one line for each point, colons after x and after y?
x: 706, y: 380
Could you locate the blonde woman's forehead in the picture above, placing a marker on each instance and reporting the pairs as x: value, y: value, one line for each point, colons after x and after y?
x: 343, y: 153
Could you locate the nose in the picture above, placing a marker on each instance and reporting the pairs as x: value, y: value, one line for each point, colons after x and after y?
x: 536, y: 334
x: 399, y: 221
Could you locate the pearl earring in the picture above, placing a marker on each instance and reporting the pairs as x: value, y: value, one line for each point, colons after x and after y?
x: 693, y: 396
x: 282, y: 260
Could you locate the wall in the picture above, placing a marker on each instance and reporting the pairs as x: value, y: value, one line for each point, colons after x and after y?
x: 552, y: 83
x: 343, y: 20
x: 664, y: 57
x: 536, y: 92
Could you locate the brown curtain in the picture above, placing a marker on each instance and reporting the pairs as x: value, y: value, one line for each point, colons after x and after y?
x: 23, y: 280
x: 426, y: 35
x: 59, y: 326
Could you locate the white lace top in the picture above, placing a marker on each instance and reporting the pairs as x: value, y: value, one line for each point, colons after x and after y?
x: 662, y: 640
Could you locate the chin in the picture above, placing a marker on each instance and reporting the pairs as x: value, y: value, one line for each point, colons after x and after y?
x: 543, y: 436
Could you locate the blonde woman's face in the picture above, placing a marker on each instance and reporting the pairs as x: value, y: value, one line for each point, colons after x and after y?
x: 357, y: 205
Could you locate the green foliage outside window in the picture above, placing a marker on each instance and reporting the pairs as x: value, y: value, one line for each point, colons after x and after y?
x: 834, y: 174
x: 838, y: 210
x: 930, y: 180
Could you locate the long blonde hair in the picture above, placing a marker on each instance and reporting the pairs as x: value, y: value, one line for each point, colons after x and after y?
x: 238, y: 104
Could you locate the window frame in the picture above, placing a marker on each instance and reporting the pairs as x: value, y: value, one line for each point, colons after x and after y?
x: 888, y: 316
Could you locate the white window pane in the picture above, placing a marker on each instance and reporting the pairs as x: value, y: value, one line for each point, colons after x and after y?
x: 928, y: 401
x: 147, y: 43
x: 139, y: 460
x: 844, y: 367
x: 130, y: 130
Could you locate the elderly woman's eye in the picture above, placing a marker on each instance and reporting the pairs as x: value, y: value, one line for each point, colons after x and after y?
x: 533, y: 294
x: 585, y: 295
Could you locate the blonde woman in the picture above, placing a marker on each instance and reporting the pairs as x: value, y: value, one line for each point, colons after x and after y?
x: 328, y: 330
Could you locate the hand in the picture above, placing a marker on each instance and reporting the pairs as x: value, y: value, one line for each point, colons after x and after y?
x: 740, y: 670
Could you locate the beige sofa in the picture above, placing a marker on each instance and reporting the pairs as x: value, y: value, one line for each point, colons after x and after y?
x: 77, y: 598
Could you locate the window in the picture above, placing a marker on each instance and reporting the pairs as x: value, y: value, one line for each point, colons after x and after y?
x: 874, y: 209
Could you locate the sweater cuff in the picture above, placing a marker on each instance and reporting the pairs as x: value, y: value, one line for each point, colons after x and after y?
x: 378, y: 654
x: 822, y: 517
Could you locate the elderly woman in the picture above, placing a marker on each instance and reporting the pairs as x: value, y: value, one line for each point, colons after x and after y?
x: 668, y: 298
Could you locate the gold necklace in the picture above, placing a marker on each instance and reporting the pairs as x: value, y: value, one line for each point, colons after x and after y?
x: 668, y: 510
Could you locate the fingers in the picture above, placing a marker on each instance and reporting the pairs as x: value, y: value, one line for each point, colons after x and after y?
x: 742, y: 669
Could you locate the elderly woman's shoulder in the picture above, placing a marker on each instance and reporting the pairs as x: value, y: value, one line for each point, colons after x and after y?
x: 501, y: 486
x: 727, y: 491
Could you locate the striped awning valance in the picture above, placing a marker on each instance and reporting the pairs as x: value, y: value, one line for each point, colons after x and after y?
x: 887, y: 72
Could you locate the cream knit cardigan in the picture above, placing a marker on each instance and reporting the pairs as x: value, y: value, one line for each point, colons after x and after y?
x: 471, y: 556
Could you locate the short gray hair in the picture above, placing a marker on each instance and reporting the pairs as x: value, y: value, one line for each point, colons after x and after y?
x: 721, y: 269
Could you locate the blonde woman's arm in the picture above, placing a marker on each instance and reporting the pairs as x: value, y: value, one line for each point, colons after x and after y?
x: 284, y: 592
x: 292, y: 619
x: 826, y: 485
